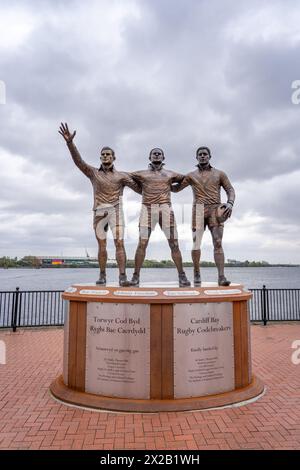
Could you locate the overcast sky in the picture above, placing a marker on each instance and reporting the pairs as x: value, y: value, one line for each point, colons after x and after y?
x: 137, y: 74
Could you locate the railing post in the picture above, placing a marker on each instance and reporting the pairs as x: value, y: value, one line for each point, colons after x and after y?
x: 265, y: 305
x: 15, y: 305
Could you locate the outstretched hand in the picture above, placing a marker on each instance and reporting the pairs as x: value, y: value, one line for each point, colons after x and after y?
x: 64, y: 131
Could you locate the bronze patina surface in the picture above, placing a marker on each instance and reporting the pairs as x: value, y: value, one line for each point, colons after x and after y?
x: 108, y: 185
x: 208, y: 210
x: 156, y: 183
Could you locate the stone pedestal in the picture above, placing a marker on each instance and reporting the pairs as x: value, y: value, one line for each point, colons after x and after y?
x: 156, y: 348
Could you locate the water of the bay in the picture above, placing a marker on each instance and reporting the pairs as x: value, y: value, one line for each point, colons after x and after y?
x: 61, y: 278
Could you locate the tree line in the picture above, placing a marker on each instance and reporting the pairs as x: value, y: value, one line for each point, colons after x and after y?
x: 34, y: 262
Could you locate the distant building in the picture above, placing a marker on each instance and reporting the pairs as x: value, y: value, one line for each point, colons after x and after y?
x: 235, y: 262
x: 64, y: 261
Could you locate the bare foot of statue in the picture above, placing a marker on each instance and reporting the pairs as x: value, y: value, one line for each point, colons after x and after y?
x: 197, y: 278
x: 183, y: 281
x: 223, y: 281
x: 102, y: 279
x: 135, y: 281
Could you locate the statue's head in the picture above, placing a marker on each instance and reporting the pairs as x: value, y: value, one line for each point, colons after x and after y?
x: 107, y: 156
x: 156, y: 155
x: 203, y: 155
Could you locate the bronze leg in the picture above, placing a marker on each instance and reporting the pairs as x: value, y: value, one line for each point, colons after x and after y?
x: 117, y: 228
x: 196, y: 253
x: 175, y: 251
x: 141, y: 252
x: 120, y: 255
x: 102, y: 254
x: 217, y: 235
x: 101, y: 227
x: 198, y: 222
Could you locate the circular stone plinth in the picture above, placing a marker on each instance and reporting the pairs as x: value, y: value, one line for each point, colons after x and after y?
x: 153, y: 349
x: 87, y: 400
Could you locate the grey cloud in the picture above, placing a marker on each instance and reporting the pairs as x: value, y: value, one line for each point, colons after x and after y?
x: 174, y: 78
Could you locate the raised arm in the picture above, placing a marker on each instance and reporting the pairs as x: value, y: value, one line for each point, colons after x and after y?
x: 82, y: 165
x: 179, y: 183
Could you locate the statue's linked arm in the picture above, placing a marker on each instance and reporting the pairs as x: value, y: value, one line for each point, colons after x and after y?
x: 180, y: 183
x: 132, y: 183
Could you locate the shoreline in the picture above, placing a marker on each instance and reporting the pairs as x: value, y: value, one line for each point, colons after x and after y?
x: 156, y: 266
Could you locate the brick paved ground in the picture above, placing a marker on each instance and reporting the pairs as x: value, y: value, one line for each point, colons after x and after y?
x: 31, y: 419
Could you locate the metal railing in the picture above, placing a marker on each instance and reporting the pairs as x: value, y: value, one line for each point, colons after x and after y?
x: 31, y: 308
x: 274, y: 305
x: 46, y: 308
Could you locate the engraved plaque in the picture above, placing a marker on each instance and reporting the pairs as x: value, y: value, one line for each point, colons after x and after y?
x: 181, y: 293
x: 93, y: 292
x: 223, y: 292
x: 203, y: 349
x: 71, y: 290
x: 249, y: 347
x: 118, y: 350
x: 66, y: 342
x: 136, y: 293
